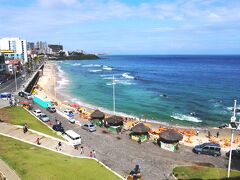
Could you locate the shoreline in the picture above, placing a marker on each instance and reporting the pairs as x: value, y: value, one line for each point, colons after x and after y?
x: 52, y: 75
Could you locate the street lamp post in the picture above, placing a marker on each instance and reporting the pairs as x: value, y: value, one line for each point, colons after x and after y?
x: 14, y: 67
x: 233, y: 125
x: 113, y: 83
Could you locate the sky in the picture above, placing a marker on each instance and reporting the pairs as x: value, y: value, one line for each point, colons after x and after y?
x: 127, y: 26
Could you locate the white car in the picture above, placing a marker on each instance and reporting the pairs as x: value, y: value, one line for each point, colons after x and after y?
x: 67, y: 112
x: 71, y: 120
x: 37, y: 112
x: 72, y: 137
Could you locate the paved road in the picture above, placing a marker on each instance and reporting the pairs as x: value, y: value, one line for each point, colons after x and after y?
x: 122, y: 154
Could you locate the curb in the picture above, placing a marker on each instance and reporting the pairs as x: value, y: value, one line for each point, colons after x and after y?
x: 41, y: 122
x: 63, y: 153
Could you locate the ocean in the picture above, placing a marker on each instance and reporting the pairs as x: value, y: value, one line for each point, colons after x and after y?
x: 180, y: 90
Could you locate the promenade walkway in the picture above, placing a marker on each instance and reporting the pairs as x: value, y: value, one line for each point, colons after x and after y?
x: 46, y: 141
x: 7, y: 172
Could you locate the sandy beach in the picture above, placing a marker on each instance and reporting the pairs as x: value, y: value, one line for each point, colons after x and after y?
x: 109, y: 148
x: 49, y: 82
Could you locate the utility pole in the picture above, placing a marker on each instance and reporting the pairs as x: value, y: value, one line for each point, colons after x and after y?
x: 113, y: 83
x: 14, y: 67
x: 233, y: 125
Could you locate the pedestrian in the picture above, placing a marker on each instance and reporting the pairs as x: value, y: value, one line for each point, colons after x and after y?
x: 59, y: 146
x: 81, y: 150
x: 94, y: 154
x: 197, y: 132
x: 209, y: 134
x: 217, y: 134
x: 25, y: 128
x: 139, y: 140
x: 38, y: 141
x: 90, y: 154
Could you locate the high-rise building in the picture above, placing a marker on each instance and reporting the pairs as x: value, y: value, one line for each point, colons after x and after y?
x: 55, y: 48
x: 14, y: 49
x: 30, y: 45
x: 41, y: 47
x: 2, y: 63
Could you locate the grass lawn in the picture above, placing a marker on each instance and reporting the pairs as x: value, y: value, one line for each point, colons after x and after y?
x: 31, y: 162
x: 200, y: 172
x: 18, y: 116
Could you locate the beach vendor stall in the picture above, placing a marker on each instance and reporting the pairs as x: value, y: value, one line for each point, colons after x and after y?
x: 114, y: 124
x: 169, y: 140
x: 139, y: 132
x: 97, y: 117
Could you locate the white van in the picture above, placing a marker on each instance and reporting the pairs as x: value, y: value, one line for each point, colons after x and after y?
x: 72, y: 137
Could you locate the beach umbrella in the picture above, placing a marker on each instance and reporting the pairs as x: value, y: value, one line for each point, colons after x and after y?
x: 140, y: 128
x: 170, y: 136
x: 97, y: 115
x: 114, y: 121
x: 70, y: 115
x: 75, y: 105
x: 25, y: 102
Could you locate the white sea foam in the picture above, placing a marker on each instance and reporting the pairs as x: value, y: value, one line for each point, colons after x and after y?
x: 91, y: 65
x: 62, y: 81
x: 94, y: 70
x: 183, y: 117
x: 126, y: 75
x: 107, y: 68
x: 107, y: 78
x: 76, y: 64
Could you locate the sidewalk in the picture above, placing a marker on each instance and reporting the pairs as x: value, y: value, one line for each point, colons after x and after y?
x: 8, y: 172
x: 45, y: 140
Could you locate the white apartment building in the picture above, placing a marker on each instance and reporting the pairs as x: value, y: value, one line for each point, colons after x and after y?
x: 14, y: 48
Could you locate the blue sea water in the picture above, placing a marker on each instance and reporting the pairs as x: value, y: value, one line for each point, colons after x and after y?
x: 162, y: 88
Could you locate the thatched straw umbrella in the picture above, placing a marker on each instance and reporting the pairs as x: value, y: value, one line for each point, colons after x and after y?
x: 114, y: 121
x: 140, y: 128
x: 97, y: 115
x: 170, y: 136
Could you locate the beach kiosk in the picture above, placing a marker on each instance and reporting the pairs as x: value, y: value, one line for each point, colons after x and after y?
x: 97, y: 117
x: 114, y: 124
x: 169, y: 140
x: 139, y: 132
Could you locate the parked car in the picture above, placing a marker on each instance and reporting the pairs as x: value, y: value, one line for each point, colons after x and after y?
x: 51, y: 109
x: 25, y: 94
x: 37, y: 112
x: 72, y: 137
x: 58, y: 127
x: 89, y: 127
x: 71, y: 120
x: 208, y: 148
x: 235, y: 153
x: 44, y: 117
x: 67, y: 112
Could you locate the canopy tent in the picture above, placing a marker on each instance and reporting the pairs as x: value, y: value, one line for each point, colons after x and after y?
x: 97, y: 115
x: 114, y: 121
x: 114, y: 124
x: 140, y: 128
x: 139, y: 132
x: 169, y: 140
x: 170, y: 136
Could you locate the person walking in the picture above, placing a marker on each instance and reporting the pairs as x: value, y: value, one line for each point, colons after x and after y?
x: 25, y: 128
x: 93, y: 154
x: 38, y: 141
x: 90, y: 154
x: 217, y: 134
x: 59, y: 146
x: 81, y: 150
